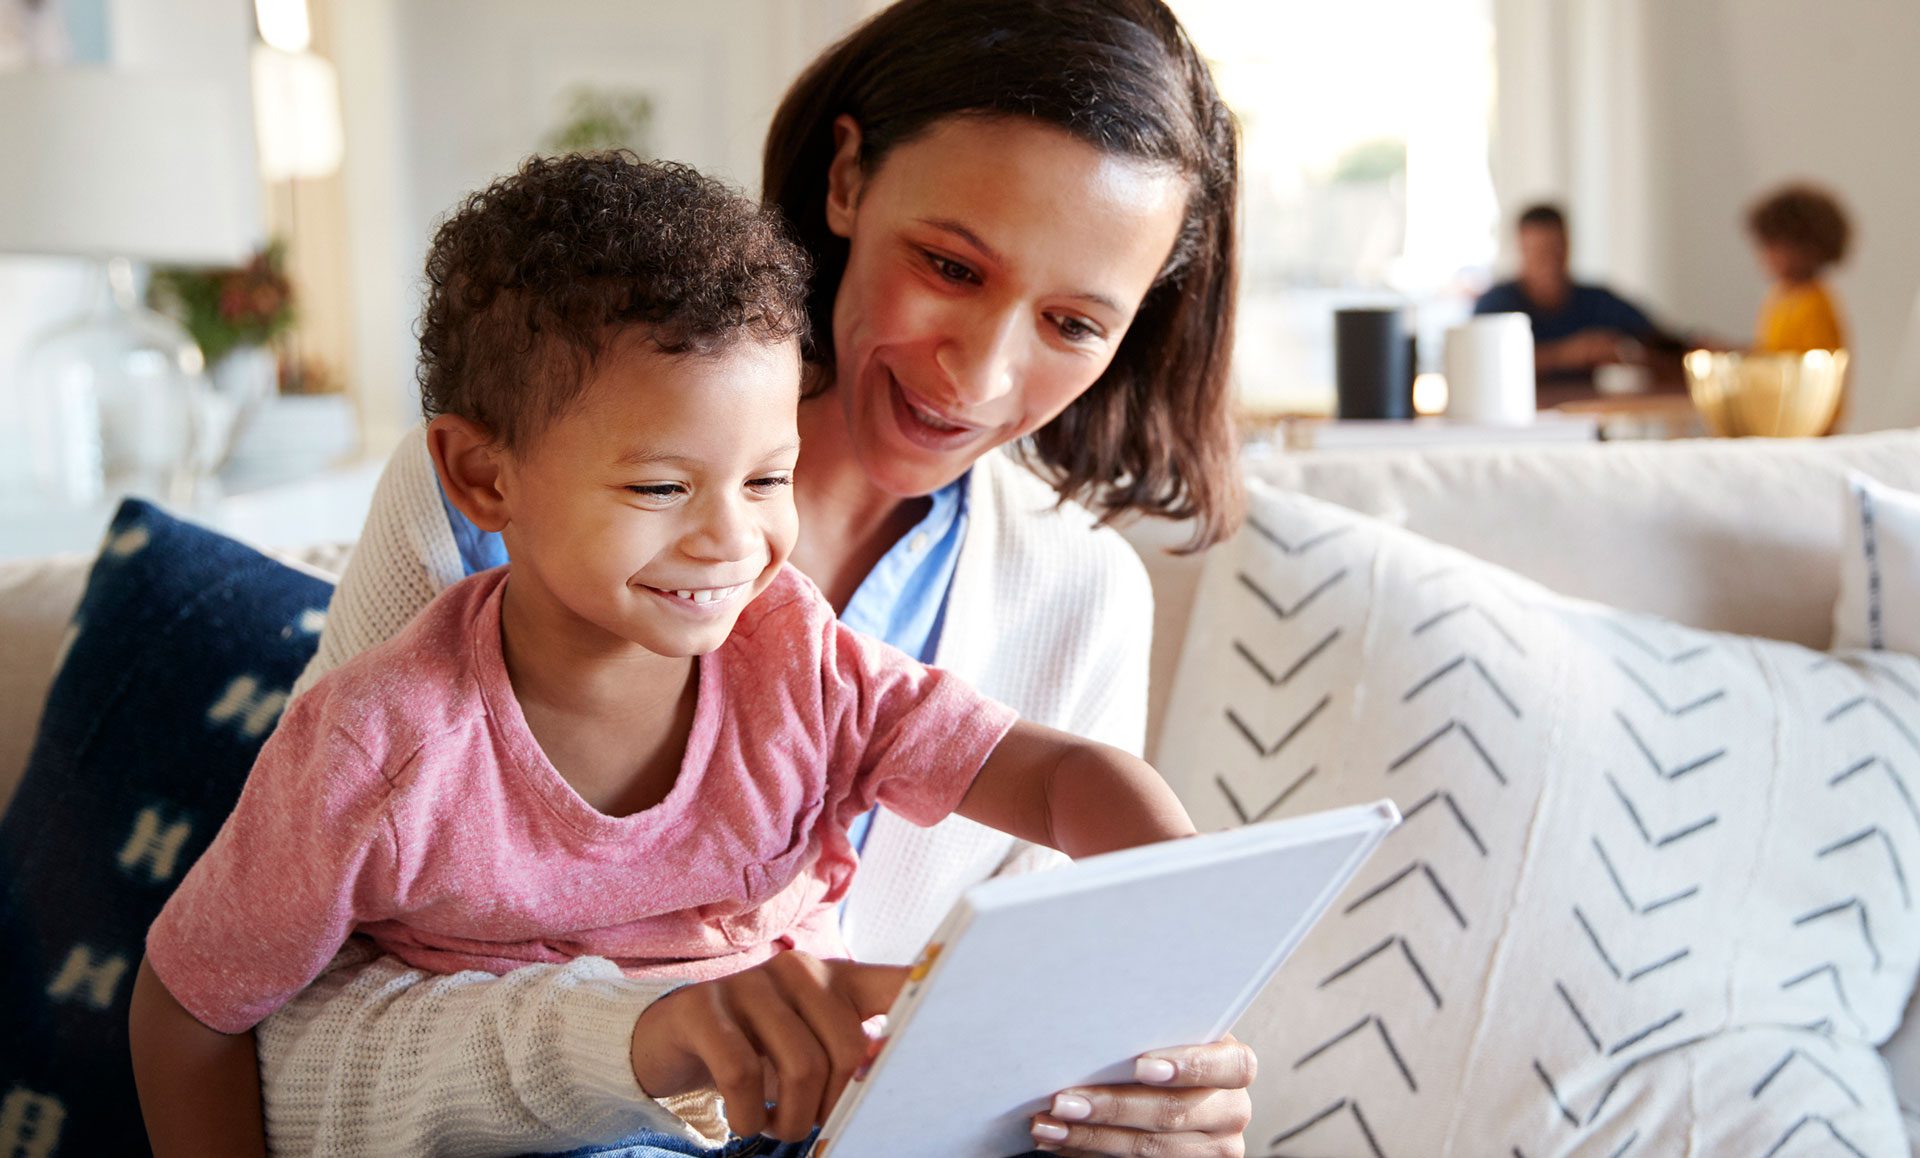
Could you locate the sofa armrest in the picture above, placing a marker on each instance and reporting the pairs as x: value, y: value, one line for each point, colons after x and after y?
x: 37, y: 598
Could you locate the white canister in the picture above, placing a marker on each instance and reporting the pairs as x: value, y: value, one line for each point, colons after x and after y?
x: 1489, y: 365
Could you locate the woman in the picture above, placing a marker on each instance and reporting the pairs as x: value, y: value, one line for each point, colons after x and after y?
x: 1022, y: 218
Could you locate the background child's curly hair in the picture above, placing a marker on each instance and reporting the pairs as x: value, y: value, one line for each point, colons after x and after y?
x: 531, y: 278
x: 1806, y: 217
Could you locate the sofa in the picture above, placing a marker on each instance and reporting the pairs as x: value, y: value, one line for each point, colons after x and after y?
x: 1738, y: 537
x: 1706, y: 909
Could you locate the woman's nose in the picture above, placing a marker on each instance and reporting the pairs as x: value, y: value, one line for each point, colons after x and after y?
x: 982, y: 364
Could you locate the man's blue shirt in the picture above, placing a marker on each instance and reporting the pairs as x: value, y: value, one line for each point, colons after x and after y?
x: 1588, y: 307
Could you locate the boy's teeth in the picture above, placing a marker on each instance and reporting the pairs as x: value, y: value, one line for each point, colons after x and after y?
x: 705, y: 594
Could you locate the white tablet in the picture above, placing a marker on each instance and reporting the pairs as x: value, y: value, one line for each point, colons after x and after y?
x: 1039, y: 982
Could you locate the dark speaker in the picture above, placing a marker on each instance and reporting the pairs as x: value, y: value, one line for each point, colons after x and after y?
x: 1372, y: 363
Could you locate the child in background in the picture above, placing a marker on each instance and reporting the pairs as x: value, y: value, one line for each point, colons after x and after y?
x: 1802, y: 233
x: 643, y: 739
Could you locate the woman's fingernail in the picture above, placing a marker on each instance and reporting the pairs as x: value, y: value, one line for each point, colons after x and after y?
x: 1048, y: 1132
x: 1153, y: 1069
x: 1072, y: 1107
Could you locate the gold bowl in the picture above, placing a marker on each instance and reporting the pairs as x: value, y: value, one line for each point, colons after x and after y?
x: 1770, y: 395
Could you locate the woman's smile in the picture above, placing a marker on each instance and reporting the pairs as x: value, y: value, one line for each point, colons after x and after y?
x: 926, y: 425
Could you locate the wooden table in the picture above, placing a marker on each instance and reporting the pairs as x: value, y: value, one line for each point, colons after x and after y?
x: 1662, y: 414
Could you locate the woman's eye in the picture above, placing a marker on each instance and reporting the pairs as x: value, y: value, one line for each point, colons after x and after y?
x: 769, y: 484
x: 1076, y: 329
x: 951, y: 270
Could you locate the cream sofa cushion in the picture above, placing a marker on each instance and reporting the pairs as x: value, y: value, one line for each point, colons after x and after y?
x: 37, y: 598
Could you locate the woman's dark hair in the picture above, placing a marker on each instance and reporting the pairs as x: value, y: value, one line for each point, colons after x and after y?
x: 1154, y: 435
x: 529, y: 279
x: 1807, y: 218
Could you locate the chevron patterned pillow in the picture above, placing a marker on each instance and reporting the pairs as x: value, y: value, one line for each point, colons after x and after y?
x: 1652, y: 894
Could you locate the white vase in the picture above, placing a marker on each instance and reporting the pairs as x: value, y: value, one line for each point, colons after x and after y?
x: 242, y: 380
x: 292, y: 436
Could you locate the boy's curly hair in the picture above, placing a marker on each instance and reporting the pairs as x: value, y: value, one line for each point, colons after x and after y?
x: 531, y: 278
x: 1806, y: 217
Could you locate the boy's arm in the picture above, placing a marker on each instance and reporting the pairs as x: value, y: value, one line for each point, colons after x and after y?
x: 199, y: 1088
x: 1053, y: 788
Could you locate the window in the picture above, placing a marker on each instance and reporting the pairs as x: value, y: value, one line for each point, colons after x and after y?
x: 1365, y: 131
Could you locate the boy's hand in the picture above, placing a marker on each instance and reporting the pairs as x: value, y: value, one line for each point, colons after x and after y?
x: 786, y: 1031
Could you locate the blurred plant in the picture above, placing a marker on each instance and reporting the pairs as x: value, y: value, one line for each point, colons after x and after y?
x: 227, y: 308
x: 307, y: 376
x: 603, y: 118
x: 1381, y: 159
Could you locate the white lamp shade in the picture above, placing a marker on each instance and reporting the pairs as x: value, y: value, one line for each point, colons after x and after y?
x: 296, y: 110
x: 107, y: 163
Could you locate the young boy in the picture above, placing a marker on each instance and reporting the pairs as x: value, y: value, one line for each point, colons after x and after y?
x: 1801, y: 232
x: 645, y: 738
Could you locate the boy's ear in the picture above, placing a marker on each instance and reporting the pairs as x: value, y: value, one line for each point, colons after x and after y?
x: 844, y: 176
x: 468, y: 461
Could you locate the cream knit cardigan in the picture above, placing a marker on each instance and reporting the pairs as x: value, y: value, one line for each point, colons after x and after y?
x: 1048, y: 613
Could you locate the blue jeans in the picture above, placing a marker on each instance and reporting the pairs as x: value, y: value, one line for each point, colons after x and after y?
x: 652, y: 1145
x: 671, y: 1146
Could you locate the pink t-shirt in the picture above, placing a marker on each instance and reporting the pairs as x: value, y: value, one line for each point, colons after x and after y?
x: 404, y: 799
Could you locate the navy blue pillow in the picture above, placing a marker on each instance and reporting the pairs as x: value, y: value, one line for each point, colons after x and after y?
x: 177, y: 665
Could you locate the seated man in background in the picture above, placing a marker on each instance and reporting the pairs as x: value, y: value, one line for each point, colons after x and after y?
x: 1576, y: 328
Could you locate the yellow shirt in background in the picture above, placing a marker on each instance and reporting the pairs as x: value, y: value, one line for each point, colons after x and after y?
x: 1795, y: 319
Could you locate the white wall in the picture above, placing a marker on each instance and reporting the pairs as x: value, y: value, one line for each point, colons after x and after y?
x: 444, y: 95
x: 1748, y: 93
x: 1572, y: 126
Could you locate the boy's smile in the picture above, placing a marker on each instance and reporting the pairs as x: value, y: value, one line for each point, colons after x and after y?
x: 657, y: 506
x: 704, y: 597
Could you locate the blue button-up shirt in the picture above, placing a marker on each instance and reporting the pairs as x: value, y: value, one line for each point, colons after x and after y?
x: 902, y: 601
